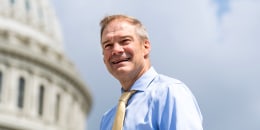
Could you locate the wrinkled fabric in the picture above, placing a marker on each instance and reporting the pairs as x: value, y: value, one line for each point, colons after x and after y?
x: 160, y: 103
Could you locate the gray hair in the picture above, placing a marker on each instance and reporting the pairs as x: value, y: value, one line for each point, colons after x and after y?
x: 140, y: 29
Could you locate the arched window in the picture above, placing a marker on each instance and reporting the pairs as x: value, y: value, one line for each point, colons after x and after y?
x: 27, y: 5
x: 21, y: 88
x: 57, y: 107
x: 12, y: 2
x: 41, y: 100
x: 1, y: 84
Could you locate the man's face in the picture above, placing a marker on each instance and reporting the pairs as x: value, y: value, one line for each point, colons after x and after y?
x: 124, y: 53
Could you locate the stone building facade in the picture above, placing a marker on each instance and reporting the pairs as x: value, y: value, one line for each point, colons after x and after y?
x: 40, y: 89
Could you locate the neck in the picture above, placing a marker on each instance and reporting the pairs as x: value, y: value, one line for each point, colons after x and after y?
x: 129, y: 81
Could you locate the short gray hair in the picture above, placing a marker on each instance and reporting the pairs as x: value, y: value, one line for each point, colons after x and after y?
x: 140, y: 29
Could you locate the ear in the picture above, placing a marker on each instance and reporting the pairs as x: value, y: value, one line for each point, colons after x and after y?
x: 147, y: 47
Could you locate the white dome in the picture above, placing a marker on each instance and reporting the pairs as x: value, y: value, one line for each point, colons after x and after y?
x: 40, y: 89
x: 32, y: 19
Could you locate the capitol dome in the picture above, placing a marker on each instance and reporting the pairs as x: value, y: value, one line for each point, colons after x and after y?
x: 40, y: 88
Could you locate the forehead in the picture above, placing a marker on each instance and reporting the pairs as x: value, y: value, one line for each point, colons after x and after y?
x: 117, y: 27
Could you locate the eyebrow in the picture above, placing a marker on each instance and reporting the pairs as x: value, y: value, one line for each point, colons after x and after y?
x: 125, y: 37
x: 120, y: 37
x: 104, y: 42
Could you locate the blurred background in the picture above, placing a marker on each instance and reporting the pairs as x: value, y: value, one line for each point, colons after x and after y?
x: 211, y: 45
x: 40, y: 88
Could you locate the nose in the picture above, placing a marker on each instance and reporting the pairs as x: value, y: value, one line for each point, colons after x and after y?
x: 117, y: 49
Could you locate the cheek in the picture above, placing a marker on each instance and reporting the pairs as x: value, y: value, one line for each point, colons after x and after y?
x: 106, y: 62
x: 130, y: 50
x: 105, y: 58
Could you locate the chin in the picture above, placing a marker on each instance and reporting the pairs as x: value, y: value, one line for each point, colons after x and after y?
x: 121, y: 71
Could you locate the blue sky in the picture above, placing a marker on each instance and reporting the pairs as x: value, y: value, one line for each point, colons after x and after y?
x: 222, y: 7
x: 211, y: 45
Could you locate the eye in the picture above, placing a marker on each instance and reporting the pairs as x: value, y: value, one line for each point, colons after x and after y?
x: 125, y: 41
x: 107, y: 46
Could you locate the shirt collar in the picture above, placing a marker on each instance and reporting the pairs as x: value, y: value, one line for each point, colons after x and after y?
x: 143, y: 82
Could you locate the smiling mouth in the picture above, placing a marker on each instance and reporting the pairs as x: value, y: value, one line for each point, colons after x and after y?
x: 119, y: 61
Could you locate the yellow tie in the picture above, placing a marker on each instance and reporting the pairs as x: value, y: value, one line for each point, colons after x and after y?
x: 120, y: 114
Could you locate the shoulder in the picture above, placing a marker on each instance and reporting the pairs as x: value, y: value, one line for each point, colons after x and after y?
x: 164, y: 87
x: 107, y: 118
x: 174, y: 100
x: 166, y: 83
x: 168, y: 80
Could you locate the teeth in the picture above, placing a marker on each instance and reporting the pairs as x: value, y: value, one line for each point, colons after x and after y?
x: 116, y: 62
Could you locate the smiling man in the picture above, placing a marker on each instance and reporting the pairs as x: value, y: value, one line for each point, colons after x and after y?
x: 156, y: 102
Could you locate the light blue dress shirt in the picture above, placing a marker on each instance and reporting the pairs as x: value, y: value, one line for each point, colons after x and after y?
x: 160, y: 103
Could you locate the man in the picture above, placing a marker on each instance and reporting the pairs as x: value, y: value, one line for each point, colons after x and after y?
x: 159, y: 102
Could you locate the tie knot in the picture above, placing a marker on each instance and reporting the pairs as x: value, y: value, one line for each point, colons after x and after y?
x: 126, y: 95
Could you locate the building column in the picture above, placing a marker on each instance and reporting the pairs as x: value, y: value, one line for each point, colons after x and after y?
x: 65, y: 109
x: 49, y: 100
x: 4, y: 7
x: 28, y: 96
x: 11, y: 89
x: 34, y: 90
x: 19, y: 10
x: 3, y: 85
x: 34, y: 13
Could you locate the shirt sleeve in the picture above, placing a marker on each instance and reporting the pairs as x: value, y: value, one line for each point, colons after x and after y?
x: 179, y: 110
